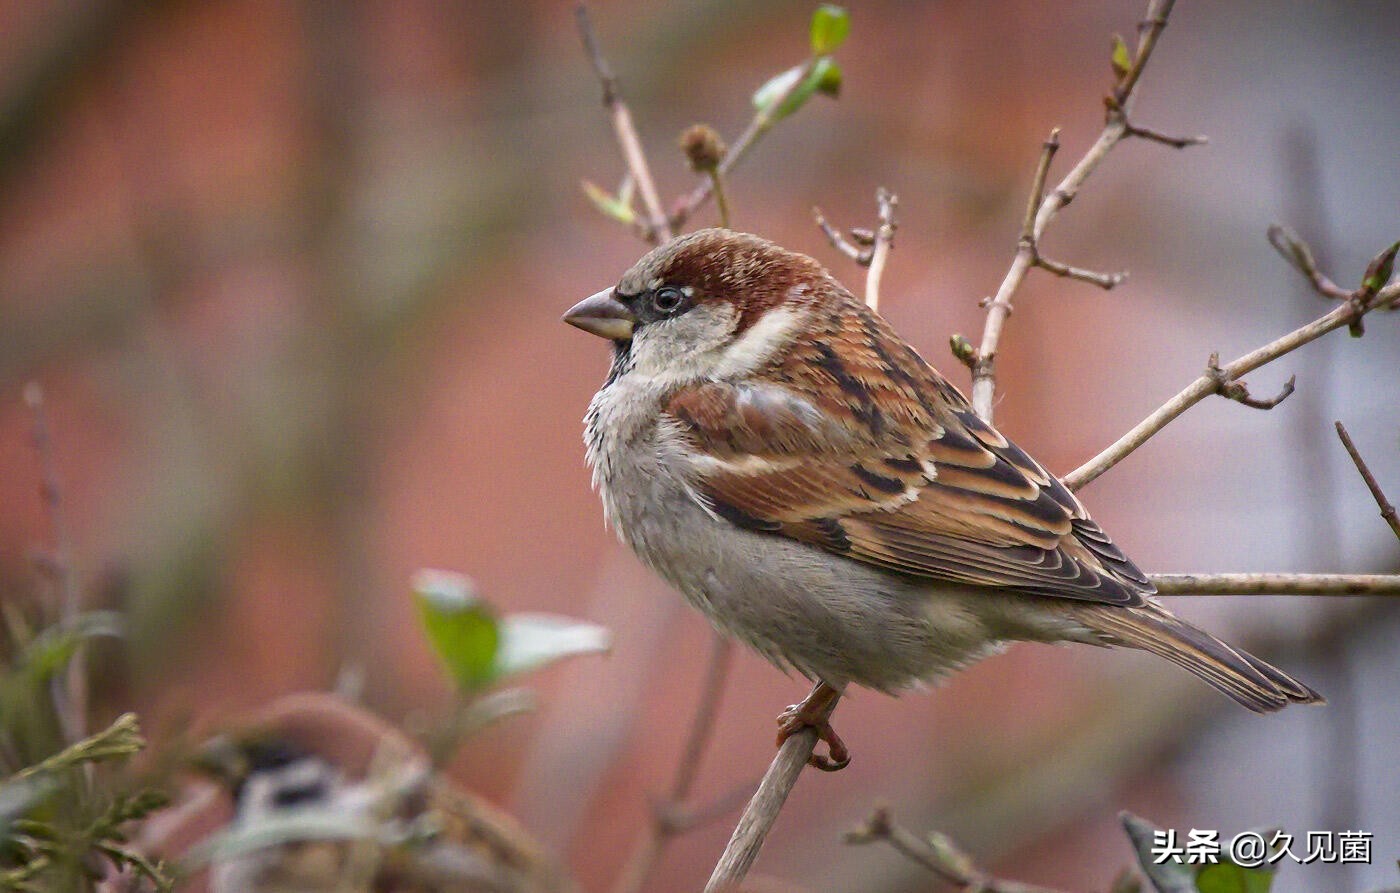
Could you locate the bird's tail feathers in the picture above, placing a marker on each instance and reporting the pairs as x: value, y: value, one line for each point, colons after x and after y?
x: 1239, y: 674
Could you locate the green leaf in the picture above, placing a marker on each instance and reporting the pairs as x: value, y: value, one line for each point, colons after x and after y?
x: 829, y: 78
x: 462, y: 628
x: 830, y: 25
x: 616, y: 207
x: 1165, y: 877
x: 1121, y: 60
x: 1227, y: 877
x: 530, y: 641
x: 1379, y: 271
x: 54, y: 647
x: 822, y: 74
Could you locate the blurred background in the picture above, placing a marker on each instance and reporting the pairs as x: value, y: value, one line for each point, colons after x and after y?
x: 291, y: 277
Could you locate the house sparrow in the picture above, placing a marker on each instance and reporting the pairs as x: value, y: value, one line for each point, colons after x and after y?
x: 767, y: 444
x: 314, y: 794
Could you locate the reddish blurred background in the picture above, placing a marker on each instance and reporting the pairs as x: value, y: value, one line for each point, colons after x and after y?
x: 291, y: 275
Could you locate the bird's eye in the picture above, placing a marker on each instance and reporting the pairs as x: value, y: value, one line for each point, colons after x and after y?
x: 667, y: 299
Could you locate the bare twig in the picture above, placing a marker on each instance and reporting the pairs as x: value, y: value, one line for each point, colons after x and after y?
x: 838, y: 241
x: 1214, y: 379
x: 1276, y: 584
x: 627, y: 139
x: 762, y: 811
x: 670, y: 817
x: 1115, y: 129
x: 868, y: 248
x: 1105, y: 281
x: 1387, y: 510
x: 1300, y: 257
x: 937, y: 853
x: 880, y: 251
x: 1176, y: 142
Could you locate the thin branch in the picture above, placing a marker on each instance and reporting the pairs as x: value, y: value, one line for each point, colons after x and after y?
x: 1276, y: 584
x: 1387, y: 510
x: 670, y: 818
x: 627, y: 139
x: 1300, y: 257
x: 1156, y: 136
x: 880, y: 251
x: 868, y: 248
x: 762, y: 121
x: 833, y: 235
x: 937, y: 853
x: 1221, y: 376
x: 762, y: 811
x: 1027, y: 254
x: 1042, y: 170
x: 1105, y: 281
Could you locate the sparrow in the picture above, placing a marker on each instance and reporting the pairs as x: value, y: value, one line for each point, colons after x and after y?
x: 769, y: 446
x: 315, y: 794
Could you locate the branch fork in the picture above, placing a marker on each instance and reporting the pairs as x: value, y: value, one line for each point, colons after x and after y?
x: 1233, y: 389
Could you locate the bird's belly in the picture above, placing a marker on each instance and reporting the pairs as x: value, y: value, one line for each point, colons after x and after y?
x: 817, y: 613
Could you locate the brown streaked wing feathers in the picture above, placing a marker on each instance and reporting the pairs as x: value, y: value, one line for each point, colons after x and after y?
x: 850, y: 474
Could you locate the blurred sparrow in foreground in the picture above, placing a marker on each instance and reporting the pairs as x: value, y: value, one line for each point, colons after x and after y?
x: 325, y: 796
x: 766, y: 443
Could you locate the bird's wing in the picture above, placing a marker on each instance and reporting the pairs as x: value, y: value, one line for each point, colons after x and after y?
x: 898, y: 471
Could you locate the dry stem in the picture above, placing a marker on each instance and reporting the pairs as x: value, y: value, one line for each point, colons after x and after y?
x: 1218, y: 377
x: 658, y: 229
x: 1387, y: 510
x: 1276, y: 584
x: 936, y: 853
x: 868, y: 248
x: 880, y: 251
x: 762, y: 811
x: 1042, y: 211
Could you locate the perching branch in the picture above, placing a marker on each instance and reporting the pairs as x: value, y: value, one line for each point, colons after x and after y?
x: 1219, y: 379
x: 936, y: 853
x: 762, y: 811
x: 1276, y: 584
x: 1042, y: 210
x: 658, y: 229
x: 1387, y: 510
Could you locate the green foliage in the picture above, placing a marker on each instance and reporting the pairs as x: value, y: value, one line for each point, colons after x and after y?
x: 478, y: 647
x: 830, y: 25
x: 788, y: 91
x: 63, y: 814
x: 1379, y: 271
x: 1121, y: 59
x: 1227, y: 877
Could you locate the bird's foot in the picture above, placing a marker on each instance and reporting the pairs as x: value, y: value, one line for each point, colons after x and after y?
x: 814, y: 713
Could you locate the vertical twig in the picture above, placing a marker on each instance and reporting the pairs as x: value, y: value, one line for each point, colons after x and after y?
x: 625, y: 130
x: 1115, y: 130
x: 880, y: 251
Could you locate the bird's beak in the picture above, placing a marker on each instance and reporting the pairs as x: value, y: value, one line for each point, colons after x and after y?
x: 602, y: 315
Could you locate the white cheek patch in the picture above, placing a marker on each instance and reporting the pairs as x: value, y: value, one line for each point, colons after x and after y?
x: 763, y: 340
